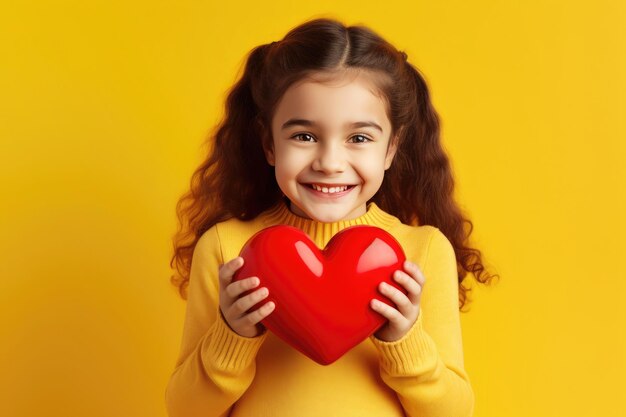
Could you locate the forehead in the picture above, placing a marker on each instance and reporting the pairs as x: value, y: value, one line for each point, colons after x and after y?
x: 333, y: 99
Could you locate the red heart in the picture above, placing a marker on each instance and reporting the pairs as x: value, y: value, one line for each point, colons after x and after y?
x: 322, y: 298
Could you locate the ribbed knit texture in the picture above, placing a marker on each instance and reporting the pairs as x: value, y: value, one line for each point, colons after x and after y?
x: 321, y: 233
x: 409, y: 354
x: 230, y: 350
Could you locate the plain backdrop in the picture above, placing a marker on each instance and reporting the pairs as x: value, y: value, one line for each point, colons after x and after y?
x: 104, y: 106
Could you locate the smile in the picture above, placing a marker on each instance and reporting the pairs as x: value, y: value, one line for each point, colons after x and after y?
x: 327, y: 190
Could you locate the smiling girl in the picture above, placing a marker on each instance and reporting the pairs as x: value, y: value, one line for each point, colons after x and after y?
x: 328, y: 128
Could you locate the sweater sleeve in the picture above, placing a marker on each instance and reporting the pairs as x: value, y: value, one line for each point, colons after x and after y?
x: 425, y: 367
x: 215, y: 365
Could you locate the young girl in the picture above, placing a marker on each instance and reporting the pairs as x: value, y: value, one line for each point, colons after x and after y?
x: 328, y: 128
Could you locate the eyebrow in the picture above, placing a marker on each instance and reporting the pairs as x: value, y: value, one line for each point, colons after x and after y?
x: 305, y: 122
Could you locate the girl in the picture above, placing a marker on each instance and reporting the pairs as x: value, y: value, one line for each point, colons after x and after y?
x: 328, y: 128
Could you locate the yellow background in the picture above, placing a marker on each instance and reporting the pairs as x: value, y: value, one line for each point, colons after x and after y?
x: 103, y: 109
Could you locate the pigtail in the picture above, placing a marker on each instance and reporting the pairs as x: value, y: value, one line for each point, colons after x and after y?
x: 419, y: 187
x: 238, y: 147
x: 235, y: 180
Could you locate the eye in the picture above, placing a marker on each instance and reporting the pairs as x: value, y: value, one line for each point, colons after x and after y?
x: 303, y: 135
x: 365, y: 139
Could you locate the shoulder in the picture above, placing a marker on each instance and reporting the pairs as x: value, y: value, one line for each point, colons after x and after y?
x: 208, y: 246
x: 422, y: 243
x: 228, y: 237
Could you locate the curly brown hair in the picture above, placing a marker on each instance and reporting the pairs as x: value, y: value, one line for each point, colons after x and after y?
x: 236, y: 180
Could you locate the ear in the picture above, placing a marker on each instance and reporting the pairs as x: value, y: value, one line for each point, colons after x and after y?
x: 268, y: 148
x: 391, y: 152
x: 267, y: 142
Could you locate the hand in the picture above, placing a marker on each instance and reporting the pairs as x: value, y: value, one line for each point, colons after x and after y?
x: 403, y: 318
x: 234, y: 307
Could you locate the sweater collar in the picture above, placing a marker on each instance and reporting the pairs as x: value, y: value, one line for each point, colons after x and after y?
x: 321, y: 232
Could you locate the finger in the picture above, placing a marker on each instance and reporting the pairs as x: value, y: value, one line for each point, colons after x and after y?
x: 387, y: 312
x: 242, y: 305
x: 415, y: 272
x: 235, y: 289
x: 398, y: 297
x: 410, y: 284
x: 258, y: 314
x: 228, y: 269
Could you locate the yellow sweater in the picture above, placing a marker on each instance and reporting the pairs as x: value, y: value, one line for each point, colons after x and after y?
x: 219, y: 373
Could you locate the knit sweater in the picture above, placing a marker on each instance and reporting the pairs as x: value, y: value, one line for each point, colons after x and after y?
x: 220, y: 373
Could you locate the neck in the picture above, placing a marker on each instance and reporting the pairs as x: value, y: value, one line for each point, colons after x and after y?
x: 321, y: 232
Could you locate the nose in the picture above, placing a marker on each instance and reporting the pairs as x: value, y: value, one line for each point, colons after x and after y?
x: 329, y: 159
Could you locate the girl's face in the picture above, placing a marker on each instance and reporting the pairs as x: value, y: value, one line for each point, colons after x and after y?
x: 331, y: 136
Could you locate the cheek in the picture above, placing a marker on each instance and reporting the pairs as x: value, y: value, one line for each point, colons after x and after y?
x: 371, y: 167
x: 290, y: 163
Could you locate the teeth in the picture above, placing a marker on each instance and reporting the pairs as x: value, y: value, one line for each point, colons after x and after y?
x: 329, y: 190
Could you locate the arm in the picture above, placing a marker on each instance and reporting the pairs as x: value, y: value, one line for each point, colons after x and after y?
x: 215, y: 365
x: 425, y: 367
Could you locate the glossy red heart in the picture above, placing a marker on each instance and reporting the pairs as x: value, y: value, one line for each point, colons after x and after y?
x: 322, y: 297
